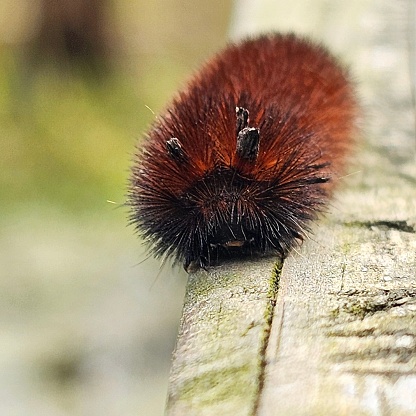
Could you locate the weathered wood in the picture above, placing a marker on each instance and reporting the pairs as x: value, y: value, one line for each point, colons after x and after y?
x: 218, y: 361
x: 343, y: 331
x: 344, y: 334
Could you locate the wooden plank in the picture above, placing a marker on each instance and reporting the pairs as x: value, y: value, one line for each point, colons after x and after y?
x: 343, y: 331
x: 218, y: 360
x: 344, y: 334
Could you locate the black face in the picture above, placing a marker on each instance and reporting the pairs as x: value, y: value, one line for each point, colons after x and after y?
x: 229, y: 218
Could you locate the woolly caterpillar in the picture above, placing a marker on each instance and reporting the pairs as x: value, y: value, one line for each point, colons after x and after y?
x: 243, y: 159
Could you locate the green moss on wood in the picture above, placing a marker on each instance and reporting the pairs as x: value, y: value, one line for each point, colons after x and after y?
x: 219, y: 385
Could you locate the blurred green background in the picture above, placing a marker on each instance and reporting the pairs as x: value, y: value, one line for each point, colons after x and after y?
x: 86, y: 326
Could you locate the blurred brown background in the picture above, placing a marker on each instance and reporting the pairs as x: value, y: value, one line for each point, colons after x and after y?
x: 86, y: 327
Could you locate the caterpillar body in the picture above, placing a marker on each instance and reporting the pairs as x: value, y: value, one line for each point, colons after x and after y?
x: 245, y: 157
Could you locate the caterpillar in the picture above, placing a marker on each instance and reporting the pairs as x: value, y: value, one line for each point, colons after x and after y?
x: 246, y: 155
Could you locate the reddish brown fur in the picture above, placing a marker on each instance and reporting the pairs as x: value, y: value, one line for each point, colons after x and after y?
x: 304, y: 106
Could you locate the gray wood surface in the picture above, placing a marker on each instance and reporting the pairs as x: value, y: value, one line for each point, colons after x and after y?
x: 335, y: 332
x: 219, y: 358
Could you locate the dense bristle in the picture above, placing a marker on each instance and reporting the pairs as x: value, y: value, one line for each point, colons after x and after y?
x: 244, y: 158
